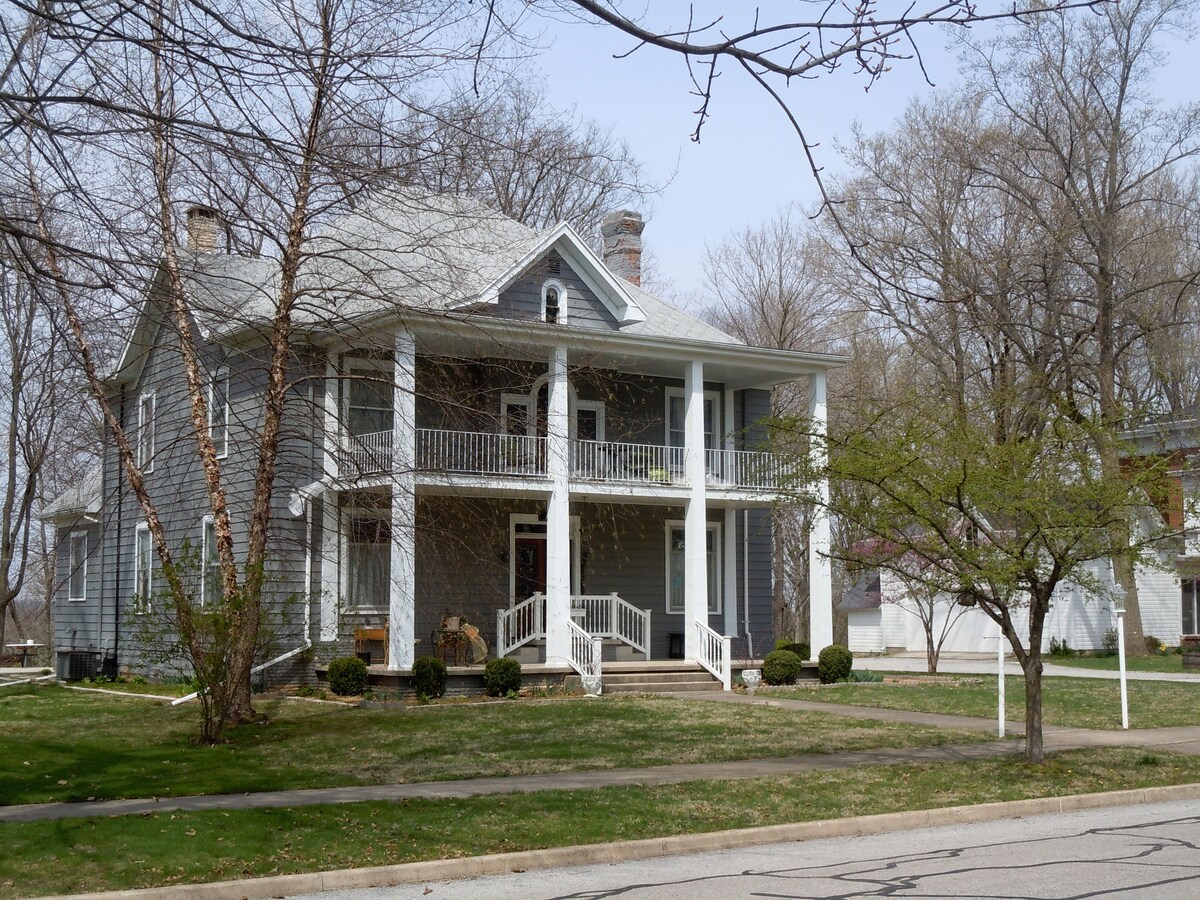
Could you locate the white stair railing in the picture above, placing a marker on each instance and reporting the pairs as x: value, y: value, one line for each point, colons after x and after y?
x: 585, y: 651
x: 631, y: 625
x: 608, y: 616
x: 522, y: 623
x: 713, y: 654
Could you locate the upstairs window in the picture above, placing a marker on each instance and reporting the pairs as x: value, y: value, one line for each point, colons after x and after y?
x: 143, y: 568
x: 218, y: 411
x: 676, y: 414
x: 210, y: 566
x: 554, y: 303
x: 77, y: 580
x: 145, y: 432
x: 370, y: 403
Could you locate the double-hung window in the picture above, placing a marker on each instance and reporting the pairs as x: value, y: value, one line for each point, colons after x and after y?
x: 369, y: 557
x: 218, y: 411
x: 210, y: 565
x: 676, y: 413
x: 77, y: 579
x: 1190, y: 608
x: 145, y: 432
x: 676, y: 566
x: 369, y: 402
x: 143, y: 568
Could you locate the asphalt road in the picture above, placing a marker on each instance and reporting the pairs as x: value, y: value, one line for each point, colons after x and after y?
x: 1132, y: 851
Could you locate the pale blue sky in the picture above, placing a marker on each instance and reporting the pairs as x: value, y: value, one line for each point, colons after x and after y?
x: 748, y: 162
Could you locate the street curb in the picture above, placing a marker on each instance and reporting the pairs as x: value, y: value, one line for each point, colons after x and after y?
x: 649, y: 848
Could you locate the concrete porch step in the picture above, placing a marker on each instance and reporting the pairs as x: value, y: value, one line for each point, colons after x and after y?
x: 614, y: 678
x: 661, y: 687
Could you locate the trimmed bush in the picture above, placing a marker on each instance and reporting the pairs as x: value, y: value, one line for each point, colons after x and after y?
x: 429, y: 677
x: 781, y: 667
x: 1153, y: 644
x: 347, y: 676
x: 834, y: 664
x: 501, y: 677
x: 802, y: 650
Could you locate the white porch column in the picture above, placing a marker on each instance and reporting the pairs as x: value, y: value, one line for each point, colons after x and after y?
x: 820, y: 574
x: 403, y: 581
x: 330, y: 530
x: 729, y: 533
x: 695, y: 530
x: 558, y: 514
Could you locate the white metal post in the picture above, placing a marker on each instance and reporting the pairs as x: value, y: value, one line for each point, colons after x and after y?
x: 695, y: 536
x: 820, y: 578
x: 1121, y: 664
x: 402, y: 605
x: 558, y: 514
x: 1000, y: 678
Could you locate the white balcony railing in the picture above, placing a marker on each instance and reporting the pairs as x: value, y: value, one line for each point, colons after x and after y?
x: 714, y: 654
x: 745, y: 469
x: 481, y: 453
x: 608, y: 461
x: 478, y: 453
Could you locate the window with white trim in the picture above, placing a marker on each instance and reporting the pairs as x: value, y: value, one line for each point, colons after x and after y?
x: 554, y: 302
x: 218, y: 411
x: 514, y: 413
x: 143, y: 568
x: 369, y: 398
x: 676, y: 415
x: 676, y: 566
x: 368, y: 557
x: 589, y: 420
x: 211, y: 590
x: 77, y: 577
x: 145, y: 432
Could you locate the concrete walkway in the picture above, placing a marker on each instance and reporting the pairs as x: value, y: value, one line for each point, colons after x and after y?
x: 985, y: 664
x: 1183, y: 740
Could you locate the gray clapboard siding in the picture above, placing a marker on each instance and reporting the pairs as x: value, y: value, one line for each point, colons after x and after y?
x: 523, y: 300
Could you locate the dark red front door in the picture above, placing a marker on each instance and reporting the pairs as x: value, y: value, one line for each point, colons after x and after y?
x: 530, y: 567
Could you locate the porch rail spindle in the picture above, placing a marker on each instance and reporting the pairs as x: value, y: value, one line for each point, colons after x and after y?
x: 714, y: 654
x: 521, y: 623
x: 585, y: 651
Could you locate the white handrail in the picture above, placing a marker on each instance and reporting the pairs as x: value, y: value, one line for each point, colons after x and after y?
x: 608, y: 616
x: 585, y: 651
x: 713, y: 654
x: 524, y: 622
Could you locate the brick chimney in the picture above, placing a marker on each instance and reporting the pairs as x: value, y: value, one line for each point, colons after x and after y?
x: 203, y: 225
x: 622, y: 232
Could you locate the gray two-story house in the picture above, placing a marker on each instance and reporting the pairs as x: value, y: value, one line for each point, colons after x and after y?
x: 485, y: 421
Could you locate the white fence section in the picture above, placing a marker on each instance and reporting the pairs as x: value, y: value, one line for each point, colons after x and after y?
x: 585, y: 651
x: 746, y: 469
x: 366, y: 454
x: 714, y: 654
x: 608, y: 616
x: 522, y: 623
x: 607, y: 461
x: 477, y: 453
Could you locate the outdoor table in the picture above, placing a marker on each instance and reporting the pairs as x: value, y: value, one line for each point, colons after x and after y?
x: 25, y: 649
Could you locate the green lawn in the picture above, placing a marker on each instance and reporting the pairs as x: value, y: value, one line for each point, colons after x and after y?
x: 1074, y: 702
x: 1170, y: 662
x: 122, y: 853
x: 57, y: 744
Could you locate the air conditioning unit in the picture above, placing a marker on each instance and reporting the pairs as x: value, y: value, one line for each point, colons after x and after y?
x: 76, y: 665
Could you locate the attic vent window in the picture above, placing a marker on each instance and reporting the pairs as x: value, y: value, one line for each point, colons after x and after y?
x: 552, y: 265
x: 554, y: 303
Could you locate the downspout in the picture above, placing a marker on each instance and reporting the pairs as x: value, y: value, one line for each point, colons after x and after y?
x: 299, y: 502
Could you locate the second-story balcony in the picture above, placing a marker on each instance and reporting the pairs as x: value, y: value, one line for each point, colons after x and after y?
x: 502, y: 456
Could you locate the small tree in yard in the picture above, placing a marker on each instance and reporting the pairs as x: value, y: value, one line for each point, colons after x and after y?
x: 997, y: 522
x: 912, y: 593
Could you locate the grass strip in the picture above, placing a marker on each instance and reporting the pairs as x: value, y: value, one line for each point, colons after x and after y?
x: 1159, y: 663
x: 122, y: 853
x: 1071, y: 702
x: 68, y: 745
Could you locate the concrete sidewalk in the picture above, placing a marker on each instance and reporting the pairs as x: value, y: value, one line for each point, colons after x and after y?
x: 1183, y: 740
x: 985, y: 664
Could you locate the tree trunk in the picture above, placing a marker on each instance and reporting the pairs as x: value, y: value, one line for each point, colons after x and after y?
x: 1034, y: 750
x: 932, y: 651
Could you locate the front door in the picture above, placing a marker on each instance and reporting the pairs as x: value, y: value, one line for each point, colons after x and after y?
x: 530, y: 567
